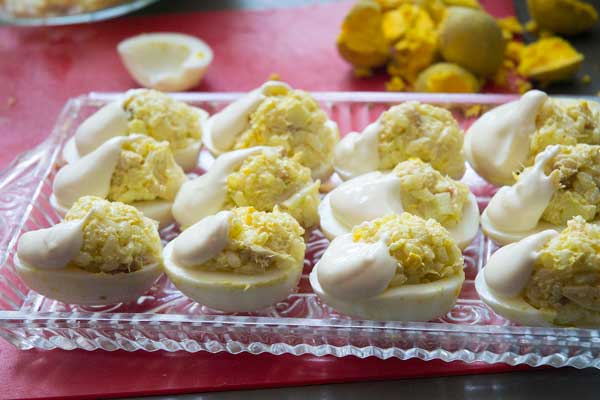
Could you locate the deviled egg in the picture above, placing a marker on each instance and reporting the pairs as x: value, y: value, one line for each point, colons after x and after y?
x: 508, y: 137
x: 399, y: 267
x: 146, y: 112
x: 103, y: 253
x: 276, y: 115
x: 133, y: 169
x: 413, y: 186
x: 238, y: 260
x: 171, y: 62
x: 563, y: 182
x: 261, y: 177
x: 408, y: 130
x: 547, y: 279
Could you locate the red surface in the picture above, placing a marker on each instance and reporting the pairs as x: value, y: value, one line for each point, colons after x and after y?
x: 79, y: 374
x: 40, y: 68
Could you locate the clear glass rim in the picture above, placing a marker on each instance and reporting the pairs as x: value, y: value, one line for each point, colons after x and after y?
x: 93, y: 16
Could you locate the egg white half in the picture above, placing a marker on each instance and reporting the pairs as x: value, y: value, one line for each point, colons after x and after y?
x: 77, y: 286
x: 232, y: 292
x: 515, y: 309
x: 420, y: 302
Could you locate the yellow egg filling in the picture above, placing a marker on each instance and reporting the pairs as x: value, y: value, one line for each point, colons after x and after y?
x: 161, y: 117
x: 424, y: 249
x: 294, y: 121
x: 429, y: 194
x: 268, y: 179
x: 146, y: 170
x: 116, y: 237
x: 568, y: 123
x: 258, y: 242
x: 566, y: 275
x: 429, y: 133
x: 575, y: 172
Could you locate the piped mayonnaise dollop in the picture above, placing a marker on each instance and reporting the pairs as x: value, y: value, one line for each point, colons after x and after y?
x: 206, y: 194
x: 375, y: 195
x: 358, y: 153
x: 354, y: 270
x: 365, y: 198
x: 52, y: 248
x: 497, y: 144
x: 202, y: 241
x: 90, y: 175
x: 515, y: 211
x: 501, y: 283
x: 226, y: 125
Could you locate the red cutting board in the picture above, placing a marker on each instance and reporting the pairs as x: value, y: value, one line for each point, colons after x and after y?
x: 40, y: 68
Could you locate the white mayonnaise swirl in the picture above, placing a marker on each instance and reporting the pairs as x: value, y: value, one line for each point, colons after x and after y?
x: 90, y: 175
x: 206, y: 194
x: 518, y: 208
x: 226, y: 125
x: 54, y: 247
x: 497, y: 144
x: 365, y: 198
x: 355, y: 270
x: 109, y: 121
x: 509, y: 269
x: 202, y: 241
x: 358, y: 153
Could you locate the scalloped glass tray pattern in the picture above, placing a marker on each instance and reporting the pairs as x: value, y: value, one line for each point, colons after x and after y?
x: 301, y: 324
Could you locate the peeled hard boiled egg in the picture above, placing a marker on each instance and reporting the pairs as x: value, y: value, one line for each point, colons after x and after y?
x: 170, y: 62
x: 503, y: 279
x: 377, y: 194
x: 93, y: 175
x: 48, y: 260
x: 360, y: 275
x: 209, y: 261
x: 146, y: 112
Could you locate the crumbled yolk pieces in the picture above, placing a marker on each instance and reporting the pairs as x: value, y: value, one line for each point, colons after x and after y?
x: 361, y: 41
x: 549, y: 59
x: 575, y: 171
x: 567, y: 123
x: 565, y: 17
x: 146, y: 170
x: 259, y: 242
x: 412, y: 34
x: 292, y: 120
x: 116, y: 237
x: 161, y: 117
x: 427, y: 193
x: 430, y: 133
x: 447, y: 78
x: 566, y: 275
x: 268, y: 179
x: 424, y: 249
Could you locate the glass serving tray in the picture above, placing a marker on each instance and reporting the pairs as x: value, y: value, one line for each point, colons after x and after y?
x: 165, y: 319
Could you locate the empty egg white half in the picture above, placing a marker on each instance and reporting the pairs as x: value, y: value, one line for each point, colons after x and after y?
x: 171, y: 62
